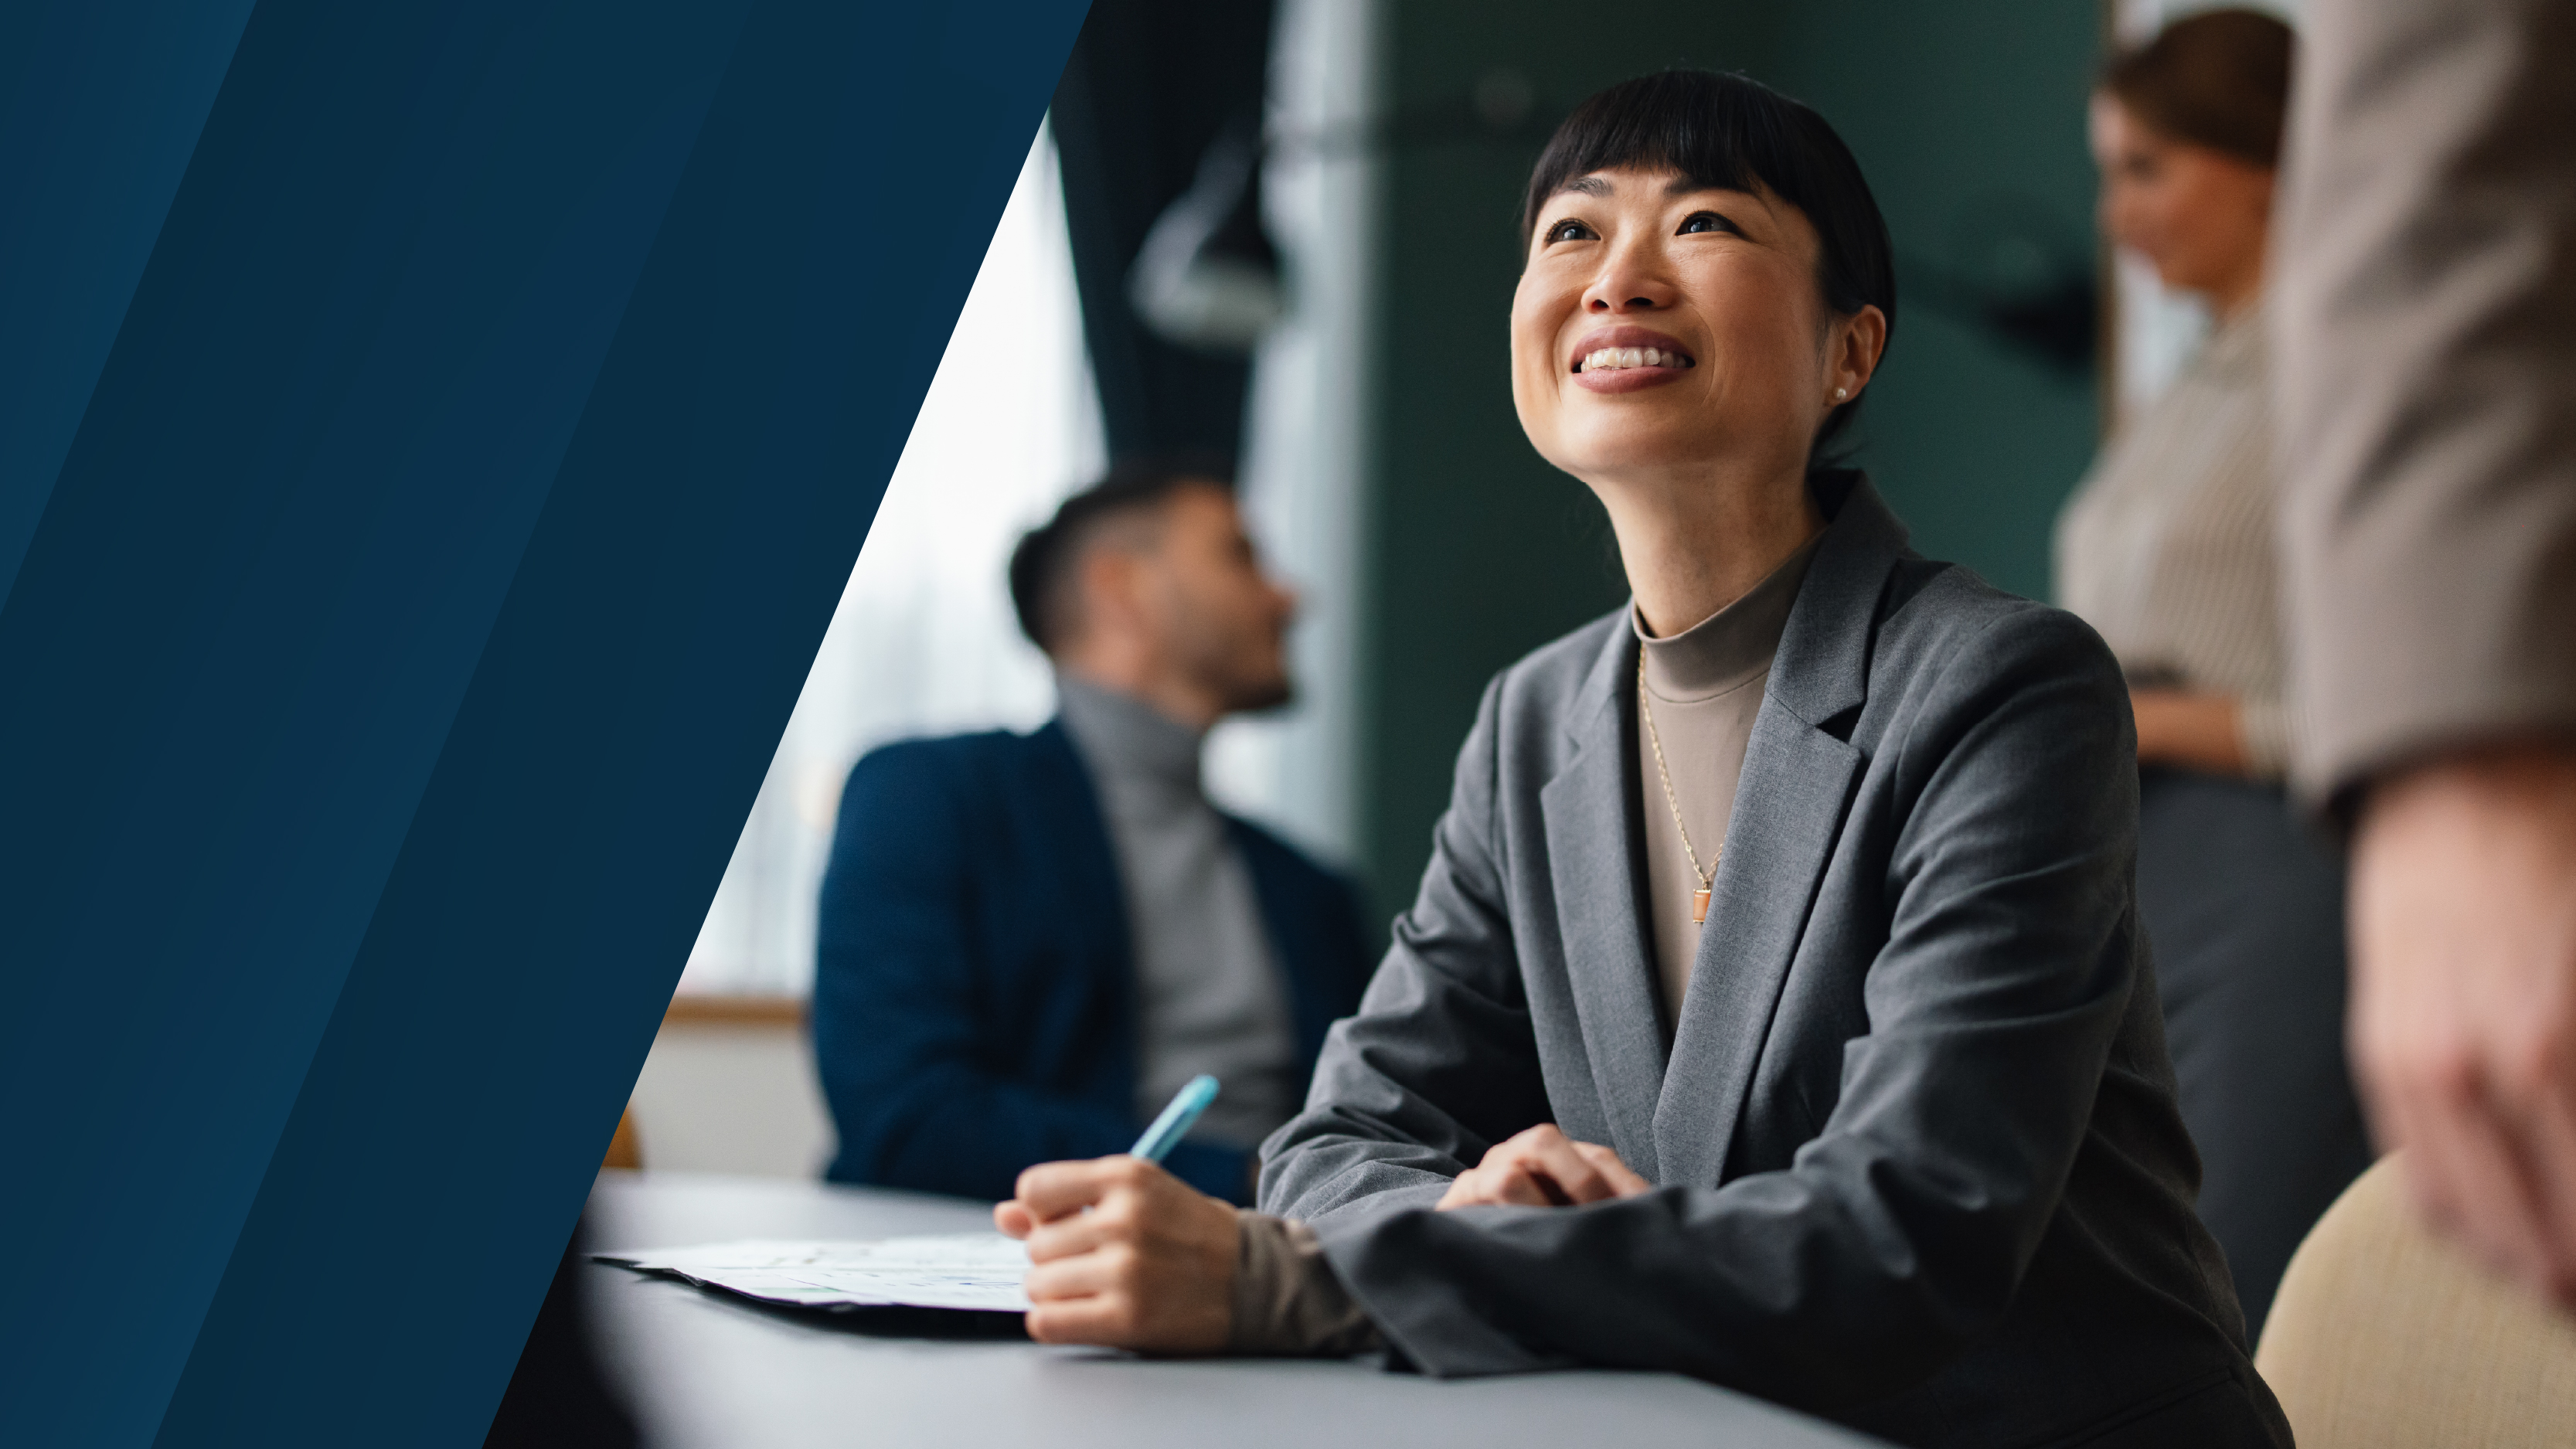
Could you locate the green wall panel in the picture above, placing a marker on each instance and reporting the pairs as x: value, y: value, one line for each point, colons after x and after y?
x: 1968, y: 119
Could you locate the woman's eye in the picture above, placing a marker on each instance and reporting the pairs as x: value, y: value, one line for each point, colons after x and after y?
x: 1565, y: 231
x: 1700, y: 221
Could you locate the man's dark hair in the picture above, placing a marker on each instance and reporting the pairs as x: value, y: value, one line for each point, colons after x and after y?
x: 1044, y: 563
x: 1732, y: 132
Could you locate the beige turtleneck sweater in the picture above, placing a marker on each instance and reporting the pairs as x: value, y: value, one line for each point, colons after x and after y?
x: 1703, y: 688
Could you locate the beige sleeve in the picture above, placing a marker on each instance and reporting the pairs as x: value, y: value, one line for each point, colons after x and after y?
x: 2425, y: 349
x: 1286, y: 1299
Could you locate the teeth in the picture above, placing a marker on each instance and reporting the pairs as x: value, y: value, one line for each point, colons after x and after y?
x: 1613, y: 358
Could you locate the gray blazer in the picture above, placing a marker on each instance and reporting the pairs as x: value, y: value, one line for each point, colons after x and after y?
x: 1917, y: 1160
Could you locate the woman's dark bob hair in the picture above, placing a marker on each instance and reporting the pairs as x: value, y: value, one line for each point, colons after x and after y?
x: 1737, y: 134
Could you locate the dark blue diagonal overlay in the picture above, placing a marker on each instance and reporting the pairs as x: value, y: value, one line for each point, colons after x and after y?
x: 100, y: 105
x: 414, y: 611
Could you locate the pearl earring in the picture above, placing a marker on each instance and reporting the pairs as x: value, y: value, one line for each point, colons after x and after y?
x: 1840, y: 393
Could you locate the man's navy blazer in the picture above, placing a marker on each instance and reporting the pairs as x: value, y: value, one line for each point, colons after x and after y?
x: 975, y: 1003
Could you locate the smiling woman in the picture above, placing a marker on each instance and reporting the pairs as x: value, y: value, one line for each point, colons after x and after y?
x: 1774, y: 1008
x: 1686, y: 335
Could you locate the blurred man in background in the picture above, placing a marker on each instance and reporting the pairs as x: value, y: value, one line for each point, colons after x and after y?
x: 2426, y: 354
x: 1028, y: 943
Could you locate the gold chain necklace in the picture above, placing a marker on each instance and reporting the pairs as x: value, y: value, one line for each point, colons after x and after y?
x: 1699, y: 898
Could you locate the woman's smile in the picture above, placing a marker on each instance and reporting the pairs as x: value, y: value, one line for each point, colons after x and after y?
x: 1627, y: 358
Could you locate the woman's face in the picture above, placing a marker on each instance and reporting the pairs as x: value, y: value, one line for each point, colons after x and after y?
x: 2198, y: 216
x: 1661, y: 325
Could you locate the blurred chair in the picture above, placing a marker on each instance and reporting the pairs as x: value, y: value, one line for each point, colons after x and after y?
x: 625, y: 1149
x: 2384, y: 1335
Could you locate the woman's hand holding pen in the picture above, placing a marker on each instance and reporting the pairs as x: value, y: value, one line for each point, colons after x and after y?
x: 1542, y: 1167
x: 1150, y: 1266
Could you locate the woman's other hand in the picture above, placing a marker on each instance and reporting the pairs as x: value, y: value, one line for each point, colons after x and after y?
x: 1149, y: 1267
x: 1543, y: 1167
x: 2202, y: 732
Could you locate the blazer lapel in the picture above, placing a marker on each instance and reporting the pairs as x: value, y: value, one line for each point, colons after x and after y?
x: 1058, y: 795
x: 1788, y: 814
x: 1592, y: 863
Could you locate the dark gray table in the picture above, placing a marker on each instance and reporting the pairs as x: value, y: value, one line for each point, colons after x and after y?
x: 705, y: 1369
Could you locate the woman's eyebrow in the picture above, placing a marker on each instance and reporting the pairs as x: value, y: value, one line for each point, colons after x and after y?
x: 1588, y: 185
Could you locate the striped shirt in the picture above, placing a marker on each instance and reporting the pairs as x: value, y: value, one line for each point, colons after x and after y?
x: 2166, y: 547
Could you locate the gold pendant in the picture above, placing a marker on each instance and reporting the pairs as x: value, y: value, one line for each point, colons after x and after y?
x: 1699, y: 906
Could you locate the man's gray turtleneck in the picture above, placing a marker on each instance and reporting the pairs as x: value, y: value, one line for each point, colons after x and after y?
x: 1209, y: 993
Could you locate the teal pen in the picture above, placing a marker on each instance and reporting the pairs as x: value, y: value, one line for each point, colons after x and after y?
x: 1177, y: 1119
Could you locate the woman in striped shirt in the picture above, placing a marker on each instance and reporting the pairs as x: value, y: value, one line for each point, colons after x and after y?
x: 2167, y: 550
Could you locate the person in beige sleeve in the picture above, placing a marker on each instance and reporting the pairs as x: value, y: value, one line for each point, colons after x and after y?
x: 2167, y: 548
x: 2426, y: 360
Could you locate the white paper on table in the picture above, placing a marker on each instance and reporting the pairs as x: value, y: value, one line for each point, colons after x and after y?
x: 978, y: 1271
